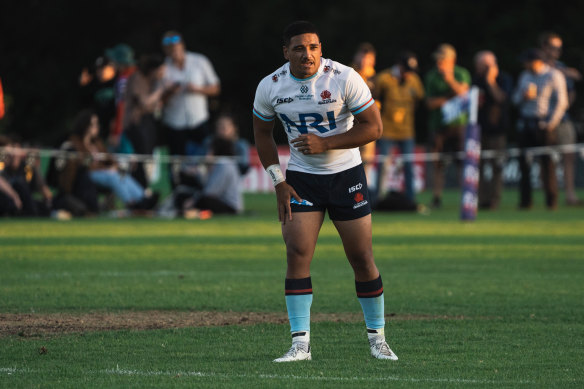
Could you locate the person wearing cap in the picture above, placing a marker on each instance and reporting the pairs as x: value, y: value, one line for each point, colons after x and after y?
x: 551, y: 44
x: 495, y: 88
x: 445, y: 81
x: 122, y: 56
x: 399, y: 89
x: 542, y: 98
x: 186, y: 114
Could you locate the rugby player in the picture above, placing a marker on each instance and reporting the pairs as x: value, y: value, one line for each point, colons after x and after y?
x: 317, y: 100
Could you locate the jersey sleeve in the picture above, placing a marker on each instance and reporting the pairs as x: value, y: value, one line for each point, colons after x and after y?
x: 262, y: 106
x: 358, y: 96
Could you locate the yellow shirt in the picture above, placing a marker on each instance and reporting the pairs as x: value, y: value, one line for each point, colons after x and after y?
x: 398, y: 103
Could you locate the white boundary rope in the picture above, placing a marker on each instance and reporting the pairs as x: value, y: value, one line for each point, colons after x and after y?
x: 35, y: 153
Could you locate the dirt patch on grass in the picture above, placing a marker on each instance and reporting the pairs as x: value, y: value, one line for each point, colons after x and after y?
x: 31, y: 325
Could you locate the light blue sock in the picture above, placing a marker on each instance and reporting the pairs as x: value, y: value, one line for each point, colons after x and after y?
x: 299, y: 311
x: 373, y: 311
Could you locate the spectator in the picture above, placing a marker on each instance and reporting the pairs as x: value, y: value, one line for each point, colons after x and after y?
x: 226, y: 128
x: 68, y: 174
x: 143, y: 100
x: 222, y: 191
x: 364, y: 63
x: 23, y: 175
x: 102, y: 168
x: 98, y: 91
x: 186, y: 115
x: 399, y: 89
x: 442, y: 83
x: 10, y: 203
x: 551, y: 45
x: 538, y: 87
x: 495, y: 90
x: 122, y: 56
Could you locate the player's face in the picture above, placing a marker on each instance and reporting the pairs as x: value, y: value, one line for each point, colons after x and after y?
x: 303, y: 52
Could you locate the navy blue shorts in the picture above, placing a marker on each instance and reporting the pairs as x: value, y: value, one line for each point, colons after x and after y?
x: 344, y: 195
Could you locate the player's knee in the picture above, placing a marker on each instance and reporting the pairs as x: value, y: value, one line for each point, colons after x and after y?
x: 296, y: 251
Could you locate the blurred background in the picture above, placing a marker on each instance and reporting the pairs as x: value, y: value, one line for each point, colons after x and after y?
x: 46, y: 44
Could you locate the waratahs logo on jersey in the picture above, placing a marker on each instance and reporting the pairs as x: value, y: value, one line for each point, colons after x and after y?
x: 326, y: 97
x: 275, y: 78
x: 327, y: 69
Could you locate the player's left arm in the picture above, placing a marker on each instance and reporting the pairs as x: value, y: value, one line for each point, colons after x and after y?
x: 367, y: 128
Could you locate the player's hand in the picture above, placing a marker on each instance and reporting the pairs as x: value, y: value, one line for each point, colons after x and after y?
x: 310, y: 144
x: 284, y: 193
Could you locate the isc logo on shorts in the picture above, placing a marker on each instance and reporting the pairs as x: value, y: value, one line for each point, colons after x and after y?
x: 355, y: 187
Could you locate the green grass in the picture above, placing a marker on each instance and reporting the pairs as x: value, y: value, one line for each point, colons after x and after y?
x: 496, y: 302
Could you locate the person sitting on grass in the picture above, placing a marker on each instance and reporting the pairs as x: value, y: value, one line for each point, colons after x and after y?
x: 103, y: 170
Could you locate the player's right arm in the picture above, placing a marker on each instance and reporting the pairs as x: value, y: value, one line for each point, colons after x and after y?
x: 268, y: 153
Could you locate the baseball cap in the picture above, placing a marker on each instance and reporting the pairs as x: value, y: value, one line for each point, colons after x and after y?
x: 443, y: 51
x: 121, y: 54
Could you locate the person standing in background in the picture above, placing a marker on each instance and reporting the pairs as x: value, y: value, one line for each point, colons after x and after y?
x: 445, y: 81
x: 122, y: 56
x: 399, y: 88
x: 539, y: 85
x: 551, y: 45
x: 495, y: 90
x: 144, y: 93
x: 364, y: 64
x: 186, y: 114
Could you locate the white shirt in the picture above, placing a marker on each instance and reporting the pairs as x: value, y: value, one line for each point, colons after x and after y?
x: 323, y: 104
x: 187, y: 110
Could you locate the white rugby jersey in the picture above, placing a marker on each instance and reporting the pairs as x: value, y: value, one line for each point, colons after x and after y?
x: 323, y: 104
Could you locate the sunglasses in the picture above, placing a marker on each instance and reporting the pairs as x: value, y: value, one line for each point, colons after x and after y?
x: 171, y: 40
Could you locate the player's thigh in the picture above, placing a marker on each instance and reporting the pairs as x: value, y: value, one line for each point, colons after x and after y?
x: 300, y: 233
x: 356, y: 237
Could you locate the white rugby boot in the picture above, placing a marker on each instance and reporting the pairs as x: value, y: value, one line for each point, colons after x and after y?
x: 379, y: 347
x: 300, y: 350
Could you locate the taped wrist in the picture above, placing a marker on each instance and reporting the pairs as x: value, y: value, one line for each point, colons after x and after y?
x: 275, y: 174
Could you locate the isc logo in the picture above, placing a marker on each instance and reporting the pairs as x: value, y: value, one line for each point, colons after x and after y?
x: 355, y: 187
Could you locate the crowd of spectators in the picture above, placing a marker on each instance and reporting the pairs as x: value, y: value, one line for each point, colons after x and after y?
x: 133, y: 105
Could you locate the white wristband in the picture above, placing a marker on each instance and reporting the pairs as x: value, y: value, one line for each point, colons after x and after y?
x: 275, y: 174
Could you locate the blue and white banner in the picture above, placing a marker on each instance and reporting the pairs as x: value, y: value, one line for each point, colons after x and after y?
x: 472, y: 157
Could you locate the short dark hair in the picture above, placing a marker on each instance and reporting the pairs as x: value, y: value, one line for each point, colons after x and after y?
x: 545, y: 37
x: 297, y: 28
x: 82, y: 122
x: 149, y: 63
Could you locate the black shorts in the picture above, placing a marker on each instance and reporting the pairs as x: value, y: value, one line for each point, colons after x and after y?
x: 343, y: 194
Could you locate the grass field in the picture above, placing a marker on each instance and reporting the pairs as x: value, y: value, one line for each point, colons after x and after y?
x: 494, y: 303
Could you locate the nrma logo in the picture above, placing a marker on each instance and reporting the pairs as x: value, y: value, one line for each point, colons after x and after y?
x: 312, y: 120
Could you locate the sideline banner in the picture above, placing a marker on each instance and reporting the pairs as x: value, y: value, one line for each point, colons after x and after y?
x: 470, y: 184
x: 472, y: 156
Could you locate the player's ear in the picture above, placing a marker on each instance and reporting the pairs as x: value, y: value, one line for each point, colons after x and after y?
x: 285, y: 50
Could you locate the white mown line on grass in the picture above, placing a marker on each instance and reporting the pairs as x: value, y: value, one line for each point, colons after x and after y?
x: 152, y: 373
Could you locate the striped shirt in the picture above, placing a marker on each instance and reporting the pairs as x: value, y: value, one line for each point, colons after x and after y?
x: 551, y: 100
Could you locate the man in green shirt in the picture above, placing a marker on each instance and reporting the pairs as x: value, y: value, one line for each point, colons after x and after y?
x: 445, y: 81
